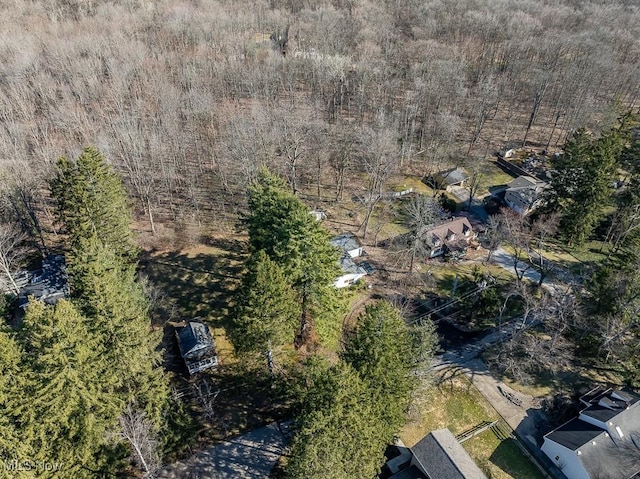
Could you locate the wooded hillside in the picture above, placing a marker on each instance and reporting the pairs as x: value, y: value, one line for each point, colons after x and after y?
x: 188, y: 98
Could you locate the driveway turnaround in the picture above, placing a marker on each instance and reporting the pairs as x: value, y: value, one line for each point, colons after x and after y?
x: 250, y: 456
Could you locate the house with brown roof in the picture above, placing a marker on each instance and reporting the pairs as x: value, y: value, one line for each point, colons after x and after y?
x: 452, y: 236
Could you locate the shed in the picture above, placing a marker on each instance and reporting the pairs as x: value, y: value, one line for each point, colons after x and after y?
x: 348, y: 243
x: 444, y: 180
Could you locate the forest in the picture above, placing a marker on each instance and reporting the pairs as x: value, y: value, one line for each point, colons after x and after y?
x: 132, y: 128
x: 186, y: 99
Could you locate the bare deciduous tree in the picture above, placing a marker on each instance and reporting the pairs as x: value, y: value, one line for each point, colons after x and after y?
x: 422, y: 212
x: 12, y: 252
x: 139, y: 433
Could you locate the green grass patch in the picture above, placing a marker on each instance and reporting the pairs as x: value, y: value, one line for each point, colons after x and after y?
x: 457, y: 405
x: 492, y: 175
x: 500, y: 459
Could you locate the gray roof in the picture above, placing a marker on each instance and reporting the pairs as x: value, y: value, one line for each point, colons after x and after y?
x: 528, y: 189
x: 346, y: 242
x: 574, y: 434
x: 611, y: 404
x: 524, y: 182
x: 605, y: 455
x: 441, y: 456
x: 607, y: 460
x: 348, y: 266
x: 454, y: 176
x: 194, y: 340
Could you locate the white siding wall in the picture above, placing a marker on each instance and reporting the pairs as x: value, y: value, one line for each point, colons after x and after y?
x: 347, y: 280
x: 567, y: 461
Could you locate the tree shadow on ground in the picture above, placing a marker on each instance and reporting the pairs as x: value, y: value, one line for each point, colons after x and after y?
x: 508, y: 457
x: 197, y: 282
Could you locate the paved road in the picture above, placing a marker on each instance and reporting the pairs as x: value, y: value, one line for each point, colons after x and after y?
x: 250, y: 456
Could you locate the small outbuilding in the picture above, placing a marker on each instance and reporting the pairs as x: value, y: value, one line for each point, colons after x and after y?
x: 444, y: 180
x: 196, y: 346
x: 352, y: 272
x: 348, y: 243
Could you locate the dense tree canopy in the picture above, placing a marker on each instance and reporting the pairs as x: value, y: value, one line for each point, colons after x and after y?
x: 280, y: 225
x: 351, y: 411
x: 76, y: 366
x: 92, y: 203
x: 266, y: 313
x: 389, y: 354
x: 337, y: 429
x: 582, y: 181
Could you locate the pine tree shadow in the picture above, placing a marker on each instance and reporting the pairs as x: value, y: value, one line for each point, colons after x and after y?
x: 195, y: 282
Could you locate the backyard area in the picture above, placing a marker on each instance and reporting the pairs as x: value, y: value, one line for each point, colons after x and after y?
x: 457, y: 405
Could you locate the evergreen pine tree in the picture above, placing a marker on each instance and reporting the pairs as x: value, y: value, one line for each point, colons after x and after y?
x: 266, y: 312
x: 68, y: 412
x: 116, y: 309
x: 12, y: 448
x: 582, y: 181
x: 386, y: 354
x: 280, y: 224
x: 337, y: 429
x: 91, y: 202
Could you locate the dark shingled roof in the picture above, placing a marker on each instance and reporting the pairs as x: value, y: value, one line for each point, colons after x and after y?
x: 575, y: 434
x: 194, y: 340
x: 411, y: 472
x: 442, y: 457
x: 346, y: 242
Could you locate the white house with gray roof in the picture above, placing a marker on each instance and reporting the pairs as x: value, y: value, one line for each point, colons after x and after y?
x: 524, y: 194
x: 603, y: 442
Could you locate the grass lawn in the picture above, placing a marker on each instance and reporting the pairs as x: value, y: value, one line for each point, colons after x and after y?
x: 456, y: 404
x: 492, y: 175
x: 444, y: 273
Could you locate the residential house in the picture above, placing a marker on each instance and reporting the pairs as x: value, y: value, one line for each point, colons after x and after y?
x: 524, y: 194
x: 603, y: 441
x: 348, y: 243
x: 196, y: 346
x: 352, y: 272
x: 444, y: 180
x: 452, y: 236
x: 48, y: 284
x: 438, y: 455
x: 351, y: 248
